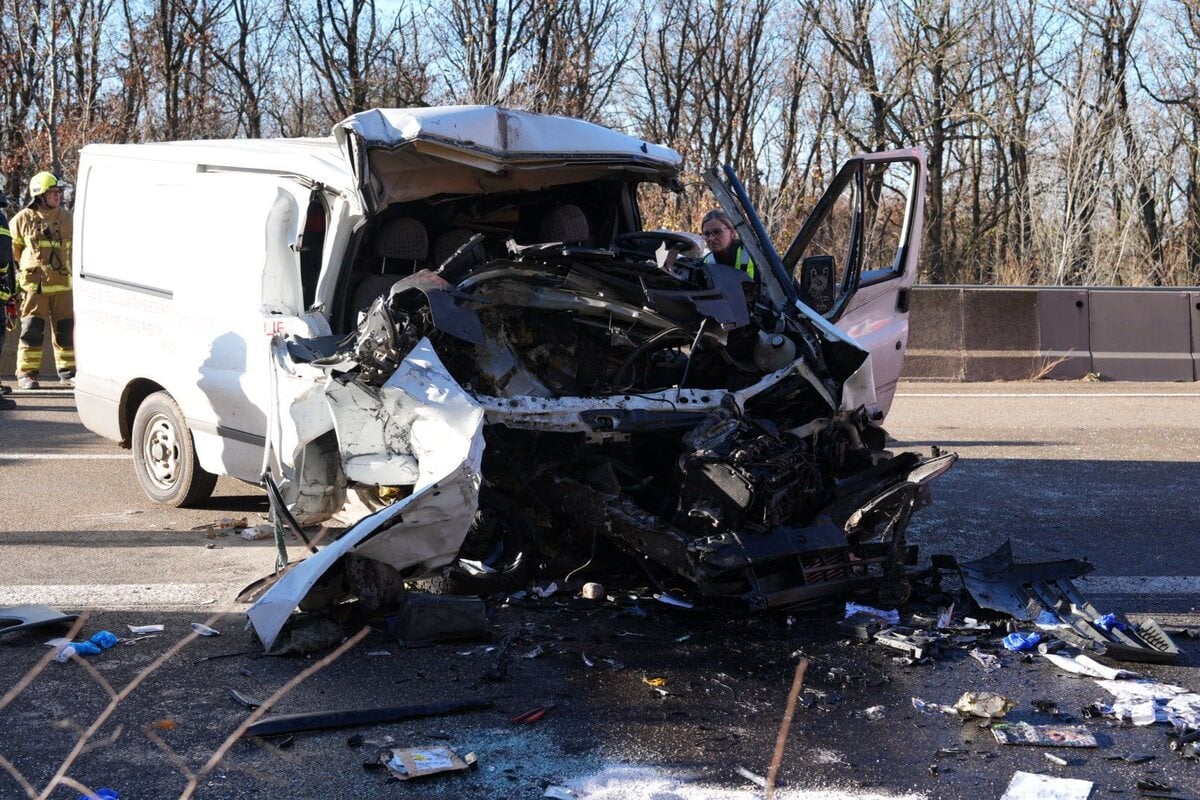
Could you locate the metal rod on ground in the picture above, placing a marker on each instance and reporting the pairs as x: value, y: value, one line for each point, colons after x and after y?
x: 785, y: 726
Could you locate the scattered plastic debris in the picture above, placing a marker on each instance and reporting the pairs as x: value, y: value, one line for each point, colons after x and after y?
x: 546, y: 590
x: 989, y: 662
x: 204, y: 630
x: 137, y: 630
x: 537, y: 652
x: 1018, y: 641
x: 560, y: 793
x: 874, y: 713
x: 102, y: 794
x: 257, y: 533
x: 1088, y: 667
x: 1022, y: 733
x: 672, y: 600
x: 1053, y: 759
x: 890, y: 617
x: 99, y: 642
x: 1031, y: 786
x: 418, y: 762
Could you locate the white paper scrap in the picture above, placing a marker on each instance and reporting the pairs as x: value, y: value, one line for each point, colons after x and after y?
x: 140, y: 629
x: 1029, y: 786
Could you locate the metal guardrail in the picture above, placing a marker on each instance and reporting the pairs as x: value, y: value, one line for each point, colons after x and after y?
x: 982, y: 333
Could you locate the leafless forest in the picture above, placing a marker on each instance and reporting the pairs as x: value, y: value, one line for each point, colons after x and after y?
x: 1063, y: 138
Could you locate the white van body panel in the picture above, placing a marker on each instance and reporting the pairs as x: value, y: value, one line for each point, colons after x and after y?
x: 175, y: 289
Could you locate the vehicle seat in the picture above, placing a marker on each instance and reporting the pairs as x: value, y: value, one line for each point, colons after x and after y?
x: 448, y: 243
x: 566, y: 223
x: 402, y: 245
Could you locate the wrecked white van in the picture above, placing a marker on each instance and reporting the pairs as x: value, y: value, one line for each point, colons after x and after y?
x: 454, y: 316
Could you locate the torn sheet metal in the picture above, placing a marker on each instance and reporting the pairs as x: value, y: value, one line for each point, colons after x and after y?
x: 444, y: 437
x: 1027, y: 591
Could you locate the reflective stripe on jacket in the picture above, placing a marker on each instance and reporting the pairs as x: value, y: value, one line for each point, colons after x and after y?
x: 41, y: 239
x: 741, y: 260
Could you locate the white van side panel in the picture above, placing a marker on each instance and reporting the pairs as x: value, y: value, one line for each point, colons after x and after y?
x: 182, y: 277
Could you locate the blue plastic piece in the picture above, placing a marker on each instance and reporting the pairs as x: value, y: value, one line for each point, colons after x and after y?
x: 102, y: 794
x: 103, y: 640
x: 86, y: 648
x: 1021, y: 641
x: 1108, y: 622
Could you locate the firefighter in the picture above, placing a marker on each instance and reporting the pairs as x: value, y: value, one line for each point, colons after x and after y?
x: 724, y: 246
x: 8, y: 290
x: 41, y: 238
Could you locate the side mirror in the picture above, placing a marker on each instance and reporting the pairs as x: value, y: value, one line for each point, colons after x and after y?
x: 817, y: 289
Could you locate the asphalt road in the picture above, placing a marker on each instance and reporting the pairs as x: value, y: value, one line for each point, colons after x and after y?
x: 1104, y: 471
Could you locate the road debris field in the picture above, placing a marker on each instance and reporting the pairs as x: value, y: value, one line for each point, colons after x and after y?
x: 544, y: 692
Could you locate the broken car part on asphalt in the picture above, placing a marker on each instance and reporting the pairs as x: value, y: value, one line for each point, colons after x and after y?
x: 1027, y: 591
x: 324, y: 720
x: 20, y: 618
x: 555, y: 367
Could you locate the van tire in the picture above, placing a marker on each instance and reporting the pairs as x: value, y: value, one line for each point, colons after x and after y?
x: 164, y: 455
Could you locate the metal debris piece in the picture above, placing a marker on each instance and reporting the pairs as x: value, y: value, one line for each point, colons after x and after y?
x: 1029, y: 591
x: 915, y: 644
x: 19, y: 618
x: 324, y: 720
x: 249, y: 702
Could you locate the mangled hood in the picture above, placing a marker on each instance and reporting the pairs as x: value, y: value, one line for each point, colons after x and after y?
x: 401, y: 154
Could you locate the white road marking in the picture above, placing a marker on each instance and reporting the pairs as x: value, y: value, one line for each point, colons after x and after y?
x: 64, y: 456
x: 1056, y: 395
x: 204, y: 596
x: 1141, y: 584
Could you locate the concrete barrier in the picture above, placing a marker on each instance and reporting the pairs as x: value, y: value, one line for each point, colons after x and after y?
x: 979, y: 333
x: 984, y: 333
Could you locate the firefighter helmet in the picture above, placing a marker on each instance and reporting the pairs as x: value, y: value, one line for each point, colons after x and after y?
x: 41, y: 183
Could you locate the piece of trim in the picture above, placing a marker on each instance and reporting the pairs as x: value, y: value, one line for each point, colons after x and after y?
x: 133, y: 287
x: 226, y: 432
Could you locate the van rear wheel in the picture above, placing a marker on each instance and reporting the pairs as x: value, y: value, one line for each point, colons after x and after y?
x: 164, y: 455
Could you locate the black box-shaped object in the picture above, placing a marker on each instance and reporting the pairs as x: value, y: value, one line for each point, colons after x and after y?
x: 438, y: 618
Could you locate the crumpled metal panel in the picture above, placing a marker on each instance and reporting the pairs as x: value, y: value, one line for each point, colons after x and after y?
x: 444, y: 436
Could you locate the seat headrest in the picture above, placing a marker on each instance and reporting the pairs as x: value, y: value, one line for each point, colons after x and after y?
x: 403, y: 238
x: 566, y: 223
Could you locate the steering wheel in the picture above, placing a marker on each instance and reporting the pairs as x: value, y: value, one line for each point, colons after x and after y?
x: 636, y: 240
